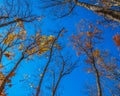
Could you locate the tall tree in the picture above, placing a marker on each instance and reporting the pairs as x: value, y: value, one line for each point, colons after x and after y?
x: 85, y: 43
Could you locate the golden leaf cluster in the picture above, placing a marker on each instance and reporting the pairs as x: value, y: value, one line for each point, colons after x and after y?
x: 10, y: 38
x: 21, y: 46
x: 96, y: 53
x: 42, y: 44
x: 89, y: 34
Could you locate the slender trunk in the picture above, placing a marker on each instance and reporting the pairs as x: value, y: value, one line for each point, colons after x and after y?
x: 97, y: 81
x: 1, y: 55
x: 9, y: 75
x: 44, y: 70
x: 109, y: 13
x: 47, y: 64
x: 41, y: 79
x: 61, y: 74
x: 99, y: 89
x: 56, y: 86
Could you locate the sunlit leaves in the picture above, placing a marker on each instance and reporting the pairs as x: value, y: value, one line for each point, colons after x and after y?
x: 21, y: 46
x: 22, y: 32
x: 96, y: 53
x: 9, y: 39
x: 89, y: 34
x: 85, y: 41
x: 41, y: 45
x: 31, y: 51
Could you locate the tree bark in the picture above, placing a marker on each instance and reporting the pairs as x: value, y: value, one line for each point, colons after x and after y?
x: 109, y: 13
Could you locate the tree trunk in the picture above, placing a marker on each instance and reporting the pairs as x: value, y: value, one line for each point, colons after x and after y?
x: 109, y: 13
x: 99, y: 89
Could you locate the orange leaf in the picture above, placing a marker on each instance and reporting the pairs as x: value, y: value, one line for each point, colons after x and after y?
x: 96, y: 53
x: 116, y: 39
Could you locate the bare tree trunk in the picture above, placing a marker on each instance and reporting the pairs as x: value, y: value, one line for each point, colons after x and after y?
x: 97, y: 81
x: 99, y: 89
x: 56, y: 86
x: 42, y: 77
x: 109, y: 13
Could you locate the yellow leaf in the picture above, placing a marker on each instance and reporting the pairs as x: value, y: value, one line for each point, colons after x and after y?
x: 22, y: 32
x: 21, y: 47
x: 1, y: 66
x: 43, y: 37
x: 10, y: 38
x: 44, y: 49
x: 89, y: 34
x: 96, y: 53
x: 31, y: 51
x: 51, y: 37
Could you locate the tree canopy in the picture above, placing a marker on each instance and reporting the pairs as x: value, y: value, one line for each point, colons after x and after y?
x: 60, y: 48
